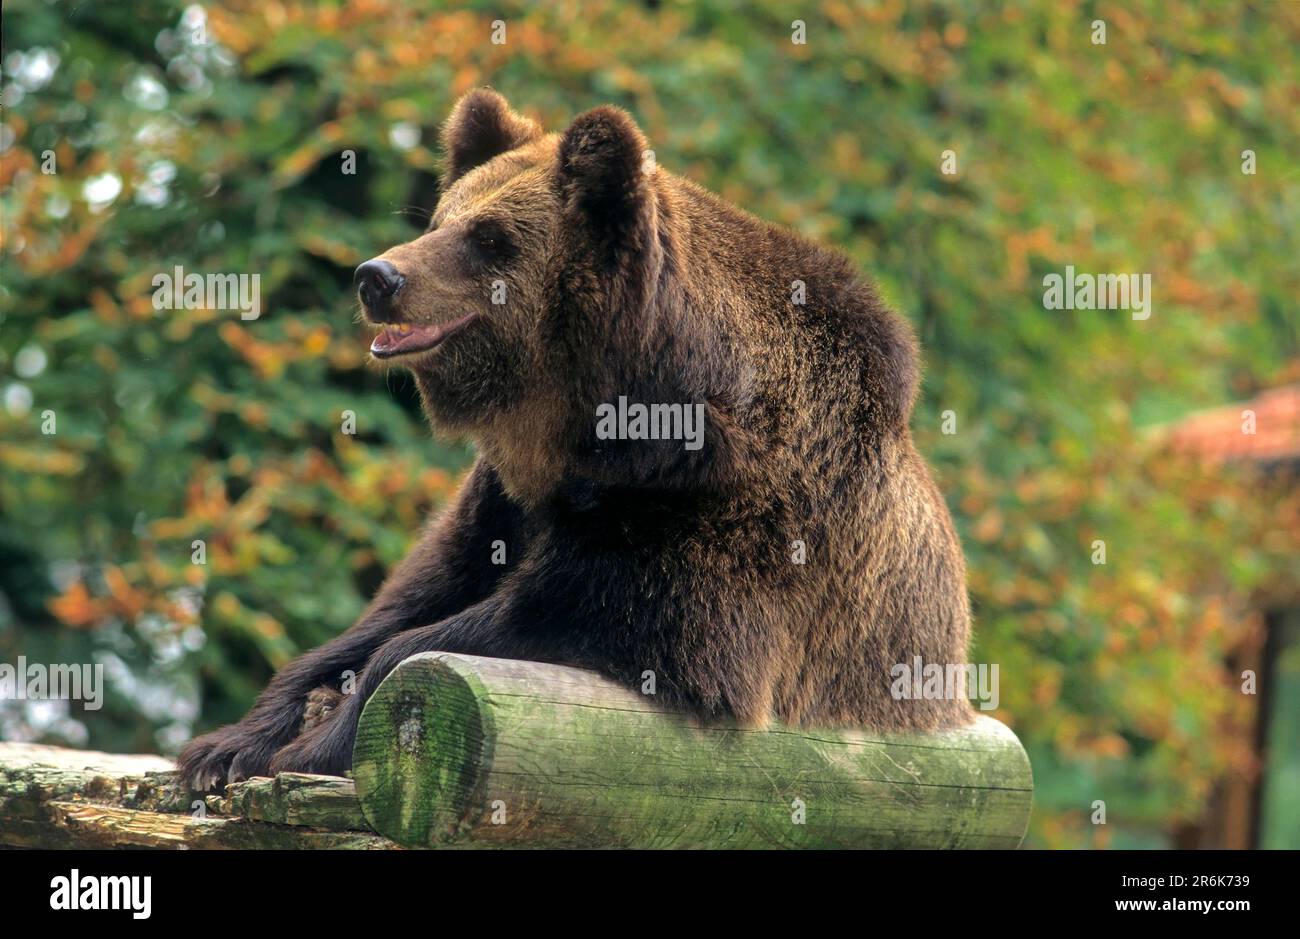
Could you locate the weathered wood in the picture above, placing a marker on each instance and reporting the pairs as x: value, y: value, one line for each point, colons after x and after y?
x: 328, y: 802
x: 459, y: 750
x: 56, y: 798
x: 462, y: 751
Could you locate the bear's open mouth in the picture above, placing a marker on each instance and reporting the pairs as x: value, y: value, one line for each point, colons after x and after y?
x: 404, y: 338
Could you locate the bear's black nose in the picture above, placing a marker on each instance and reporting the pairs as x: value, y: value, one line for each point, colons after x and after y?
x: 377, y: 280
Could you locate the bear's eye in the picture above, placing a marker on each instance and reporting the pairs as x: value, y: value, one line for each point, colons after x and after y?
x: 491, y: 241
x: 487, y: 234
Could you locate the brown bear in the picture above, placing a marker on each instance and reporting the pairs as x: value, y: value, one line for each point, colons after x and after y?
x: 694, y: 455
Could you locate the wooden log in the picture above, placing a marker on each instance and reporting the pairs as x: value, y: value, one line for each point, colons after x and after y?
x: 56, y: 798
x: 465, y: 751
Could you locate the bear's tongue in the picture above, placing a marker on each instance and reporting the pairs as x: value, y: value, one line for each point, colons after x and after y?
x: 402, y: 338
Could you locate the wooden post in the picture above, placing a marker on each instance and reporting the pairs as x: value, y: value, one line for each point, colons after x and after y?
x: 460, y: 750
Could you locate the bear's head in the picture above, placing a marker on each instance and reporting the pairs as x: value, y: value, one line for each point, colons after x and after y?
x: 533, y: 236
x: 562, y: 274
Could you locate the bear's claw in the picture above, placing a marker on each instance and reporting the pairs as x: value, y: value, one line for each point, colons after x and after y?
x: 223, y: 756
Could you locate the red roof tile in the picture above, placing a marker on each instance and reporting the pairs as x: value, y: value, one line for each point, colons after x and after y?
x: 1224, y: 433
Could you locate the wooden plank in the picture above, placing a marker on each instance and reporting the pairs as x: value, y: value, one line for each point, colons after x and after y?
x: 328, y: 802
x: 52, y: 797
x: 457, y: 750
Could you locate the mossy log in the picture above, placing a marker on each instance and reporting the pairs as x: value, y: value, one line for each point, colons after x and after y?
x: 462, y: 751
x: 465, y: 751
x: 56, y: 798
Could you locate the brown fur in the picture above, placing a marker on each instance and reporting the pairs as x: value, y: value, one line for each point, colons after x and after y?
x: 630, y: 556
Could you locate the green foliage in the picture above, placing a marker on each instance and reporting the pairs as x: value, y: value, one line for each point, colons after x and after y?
x: 229, y: 147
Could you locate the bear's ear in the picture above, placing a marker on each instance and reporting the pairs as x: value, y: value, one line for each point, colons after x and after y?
x: 480, y: 127
x: 602, y: 173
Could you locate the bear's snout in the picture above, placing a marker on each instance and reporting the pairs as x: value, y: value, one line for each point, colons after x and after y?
x: 377, y: 282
